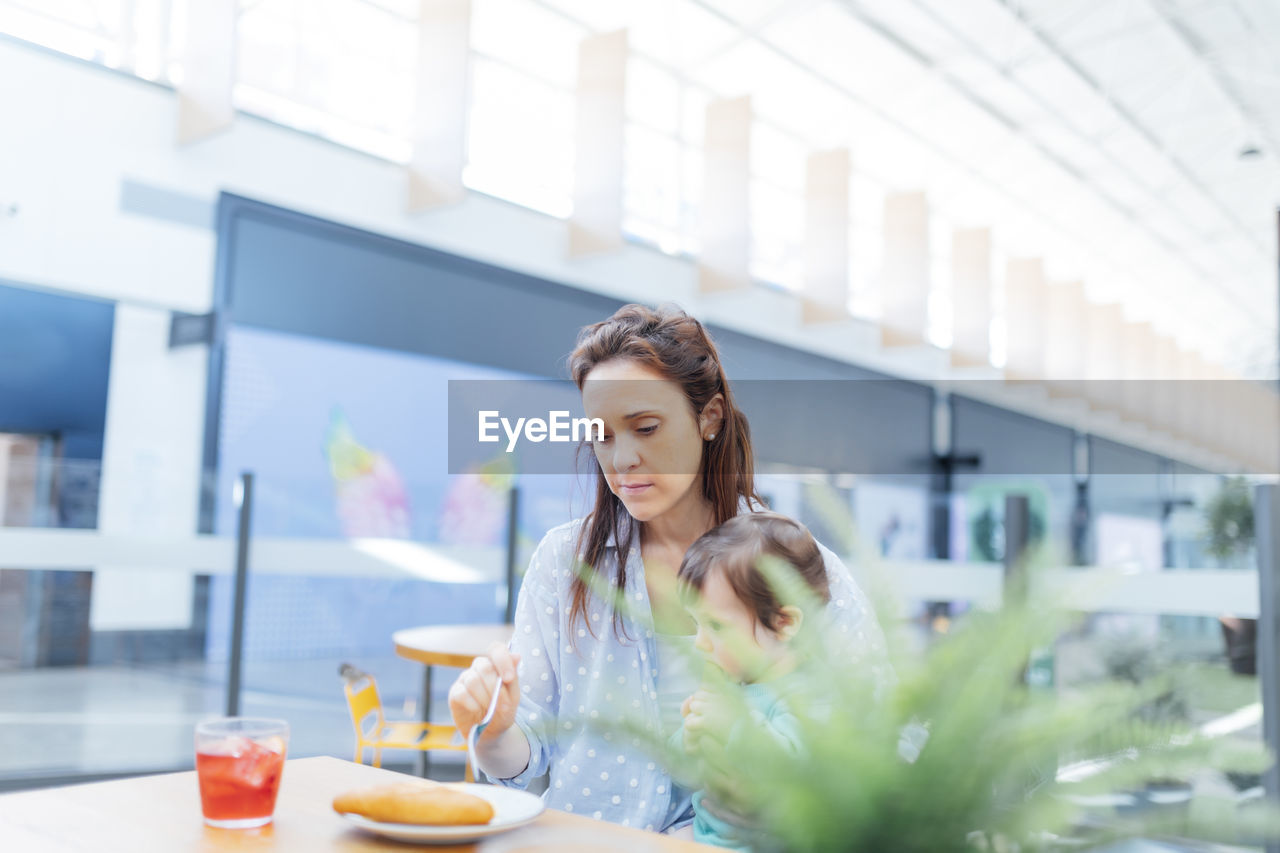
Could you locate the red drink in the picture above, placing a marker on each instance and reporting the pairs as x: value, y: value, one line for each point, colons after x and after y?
x: 239, y: 776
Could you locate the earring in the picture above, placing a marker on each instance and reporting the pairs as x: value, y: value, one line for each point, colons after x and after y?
x: 711, y: 437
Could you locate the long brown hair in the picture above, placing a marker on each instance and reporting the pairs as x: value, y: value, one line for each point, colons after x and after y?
x: 678, y: 348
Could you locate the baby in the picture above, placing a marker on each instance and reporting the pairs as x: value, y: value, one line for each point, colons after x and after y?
x: 747, y: 632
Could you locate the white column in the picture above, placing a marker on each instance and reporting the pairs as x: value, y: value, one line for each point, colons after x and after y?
x: 971, y: 297
x: 1065, y: 338
x: 151, y: 462
x: 1189, y: 395
x: 1138, y: 357
x: 1166, y: 361
x: 1232, y: 416
x: 1253, y: 426
x: 440, y: 104
x: 905, y: 275
x: 1214, y: 415
x: 600, y: 121
x: 826, y: 236
x: 208, y: 69
x: 1024, y: 319
x: 1103, y: 367
x: 725, y: 224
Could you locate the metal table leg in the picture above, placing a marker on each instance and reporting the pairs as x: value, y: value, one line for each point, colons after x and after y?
x: 423, y: 762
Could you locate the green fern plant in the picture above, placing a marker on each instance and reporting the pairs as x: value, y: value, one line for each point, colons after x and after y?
x: 990, y: 774
x: 1229, y: 519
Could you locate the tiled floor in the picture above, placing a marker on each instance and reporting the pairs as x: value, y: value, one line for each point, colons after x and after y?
x: 116, y: 719
x: 112, y: 719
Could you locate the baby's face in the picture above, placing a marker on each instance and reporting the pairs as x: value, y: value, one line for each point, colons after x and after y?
x: 728, y: 634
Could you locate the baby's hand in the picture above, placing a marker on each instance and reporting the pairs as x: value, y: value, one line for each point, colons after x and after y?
x: 699, y: 719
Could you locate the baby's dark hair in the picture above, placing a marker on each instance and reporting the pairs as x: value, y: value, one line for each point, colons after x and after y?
x: 735, y: 548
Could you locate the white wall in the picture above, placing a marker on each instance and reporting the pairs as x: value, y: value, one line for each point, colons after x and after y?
x: 82, y: 130
x: 150, y: 468
x: 74, y: 133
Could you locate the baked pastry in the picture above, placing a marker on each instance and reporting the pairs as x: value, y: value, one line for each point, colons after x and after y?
x: 422, y: 803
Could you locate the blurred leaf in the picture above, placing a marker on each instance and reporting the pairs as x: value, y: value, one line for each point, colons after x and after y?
x: 988, y: 775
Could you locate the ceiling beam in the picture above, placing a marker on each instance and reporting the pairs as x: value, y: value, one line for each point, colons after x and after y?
x: 780, y: 11
x: 996, y: 186
x: 1008, y: 74
x: 1174, y: 249
x: 1050, y: 44
x: 1196, y: 45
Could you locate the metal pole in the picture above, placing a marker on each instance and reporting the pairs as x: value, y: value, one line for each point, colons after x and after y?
x: 423, y: 762
x: 941, y: 479
x: 1017, y: 538
x: 1266, y: 524
x: 1037, y: 669
x: 1080, y: 511
x: 245, y: 488
x: 1266, y: 511
x: 513, y: 542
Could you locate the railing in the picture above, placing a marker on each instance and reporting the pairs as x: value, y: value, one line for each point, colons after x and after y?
x: 32, y: 548
x: 1188, y: 592
x: 1195, y: 592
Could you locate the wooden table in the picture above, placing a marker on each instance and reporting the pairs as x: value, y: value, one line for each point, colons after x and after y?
x: 445, y: 645
x: 449, y: 645
x: 162, y: 813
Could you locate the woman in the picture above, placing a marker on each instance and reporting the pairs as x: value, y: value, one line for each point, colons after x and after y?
x: 674, y: 462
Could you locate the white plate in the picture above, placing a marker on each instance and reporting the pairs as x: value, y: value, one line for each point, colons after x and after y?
x: 511, y: 808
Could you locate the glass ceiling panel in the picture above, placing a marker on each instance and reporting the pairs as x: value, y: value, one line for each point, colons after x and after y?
x: 89, y: 29
x: 777, y: 235
x: 748, y: 11
x: 653, y: 97
x: 693, y: 108
x: 915, y: 24
x: 691, y: 177
x: 520, y: 140
x: 652, y: 197
x: 816, y: 114
x: 598, y: 15
x: 746, y: 68
x: 833, y: 43
x: 350, y: 60
x: 778, y: 157
x: 529, y: 37
x: 677, y: 32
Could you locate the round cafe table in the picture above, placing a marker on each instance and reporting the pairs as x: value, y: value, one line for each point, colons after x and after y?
x: 445, y: 645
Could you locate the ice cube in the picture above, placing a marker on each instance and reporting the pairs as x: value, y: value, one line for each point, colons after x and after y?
x: 257, y: 765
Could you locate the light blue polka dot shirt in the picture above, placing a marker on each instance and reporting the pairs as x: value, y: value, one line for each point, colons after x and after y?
x: 575, y: 694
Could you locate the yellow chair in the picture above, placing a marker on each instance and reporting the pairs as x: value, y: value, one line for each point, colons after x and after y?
x: 374, y: 731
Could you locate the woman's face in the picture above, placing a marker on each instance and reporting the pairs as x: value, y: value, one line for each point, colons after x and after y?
x: 653, y: 442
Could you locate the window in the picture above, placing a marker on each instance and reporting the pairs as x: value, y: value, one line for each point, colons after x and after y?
x: 342, y: 69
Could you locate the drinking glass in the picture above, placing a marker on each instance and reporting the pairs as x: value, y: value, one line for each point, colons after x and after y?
x: 239, y: 761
